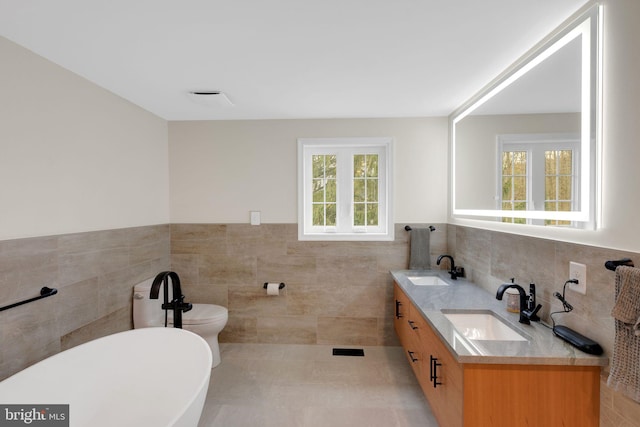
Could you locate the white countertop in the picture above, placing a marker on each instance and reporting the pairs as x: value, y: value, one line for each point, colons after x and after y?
x: 541, y: 347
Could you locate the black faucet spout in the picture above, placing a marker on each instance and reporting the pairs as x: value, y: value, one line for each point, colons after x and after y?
x: 523, y: 300
x: 452, y: 266
x: 177, y: 304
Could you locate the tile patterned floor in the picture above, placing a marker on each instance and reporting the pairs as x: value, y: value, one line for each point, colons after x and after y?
x: 264, y: 385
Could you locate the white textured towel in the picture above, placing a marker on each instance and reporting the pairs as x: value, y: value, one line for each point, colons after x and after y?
x: 624, y: 375
x: 627, y: 306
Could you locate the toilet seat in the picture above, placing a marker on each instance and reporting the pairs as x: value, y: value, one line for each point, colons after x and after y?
x: 202, y: 314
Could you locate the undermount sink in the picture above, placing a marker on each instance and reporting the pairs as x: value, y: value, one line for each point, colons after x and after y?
x: 481, y: 325
x: 427, y: 281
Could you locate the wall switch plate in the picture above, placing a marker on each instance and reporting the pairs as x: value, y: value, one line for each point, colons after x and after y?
x: 255, y: 217
x: 578, y: 271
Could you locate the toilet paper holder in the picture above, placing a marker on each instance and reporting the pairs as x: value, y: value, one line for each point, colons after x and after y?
x: 281, y: 286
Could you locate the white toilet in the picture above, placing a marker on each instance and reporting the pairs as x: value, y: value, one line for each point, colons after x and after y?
x: 206, y: 320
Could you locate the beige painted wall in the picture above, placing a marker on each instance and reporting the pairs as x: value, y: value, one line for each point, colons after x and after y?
x: 621, y: 150
x: 74, y: 157
x: 219, y: 171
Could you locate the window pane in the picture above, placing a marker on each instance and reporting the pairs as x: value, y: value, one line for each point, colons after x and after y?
x: 564, y: 187
x: 324, y: 189
x: 318, y: 166
x: 520, y: 188
x: 550, y: 192
x: 331, y: 214
x: 520, y: 163
x: 330, y: 195
x: 558, y: 183
x: 566, y: 162
x: 318, y: 214
x: 507, y: 206
x: 520, y: 206
x: 514, y: 179
x: 507, y: 163
x: 324, y: 166
x: 372, y: 190
x: 330, y: 166
x: 372, y: 214
x: 372, y: 165
x: 359, y: 166
x: 359, y: 190
x: 507, y: 187
x: 318, y: 190
x: 359, y: 214
x: 365, y: 189
x: 550, y: 162
x: 564, y: 206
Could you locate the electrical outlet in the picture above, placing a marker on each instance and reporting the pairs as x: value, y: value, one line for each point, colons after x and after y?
x: 578, y: 271
x: 254, y: 217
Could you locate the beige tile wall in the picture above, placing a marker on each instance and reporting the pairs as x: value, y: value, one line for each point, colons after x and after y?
x: 94, y: 273
x: 335, y: 293
x: 491, y: 258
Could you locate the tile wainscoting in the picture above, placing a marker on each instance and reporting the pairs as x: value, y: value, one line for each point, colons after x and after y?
x: 335, y: 293
x: 94, y: 273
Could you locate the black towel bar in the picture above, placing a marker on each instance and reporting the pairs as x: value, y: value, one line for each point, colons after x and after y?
x: 44, y: 292
x: 408, y: 228
x: 611, y: 265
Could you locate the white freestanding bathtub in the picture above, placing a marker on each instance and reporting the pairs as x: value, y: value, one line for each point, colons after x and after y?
x: 151, y: 377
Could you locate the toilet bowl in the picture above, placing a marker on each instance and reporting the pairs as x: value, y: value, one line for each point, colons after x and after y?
x: 206, y: 320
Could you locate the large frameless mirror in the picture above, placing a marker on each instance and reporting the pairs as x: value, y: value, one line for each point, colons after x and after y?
x: 524, y: 150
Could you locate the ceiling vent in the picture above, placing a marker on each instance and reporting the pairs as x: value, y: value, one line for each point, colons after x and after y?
x: 210, y: 98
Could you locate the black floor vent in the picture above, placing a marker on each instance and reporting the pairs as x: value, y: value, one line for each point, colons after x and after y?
x: 348, y: 352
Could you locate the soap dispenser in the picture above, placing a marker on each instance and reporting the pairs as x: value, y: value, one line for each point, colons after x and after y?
x: 513, y: 299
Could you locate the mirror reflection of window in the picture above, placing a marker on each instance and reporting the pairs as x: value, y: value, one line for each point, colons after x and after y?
x: 559, y: 183
x: 538, y: 171
x: 514, y: 183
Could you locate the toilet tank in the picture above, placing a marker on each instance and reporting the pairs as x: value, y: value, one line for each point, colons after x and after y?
x: 147, y: 312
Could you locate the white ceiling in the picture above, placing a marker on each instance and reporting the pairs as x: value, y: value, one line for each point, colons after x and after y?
x: 283, y: 59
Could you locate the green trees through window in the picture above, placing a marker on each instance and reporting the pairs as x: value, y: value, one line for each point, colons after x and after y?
x: 324, y: 189
x: 344, y: 189
x: 514, y: 183
x: 555, y: 188
x: 558, y: 187
x: 365, y: 189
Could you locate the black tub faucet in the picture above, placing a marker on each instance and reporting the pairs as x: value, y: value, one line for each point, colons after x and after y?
x: 452, y: 266
x: 177, y: 304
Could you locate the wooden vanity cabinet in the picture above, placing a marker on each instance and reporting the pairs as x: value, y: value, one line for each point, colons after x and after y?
x: 494, y: 395
x: 438, y: 373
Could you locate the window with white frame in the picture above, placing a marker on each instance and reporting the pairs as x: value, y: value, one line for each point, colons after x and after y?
x: 540, y: 172
x: 344, y: 189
